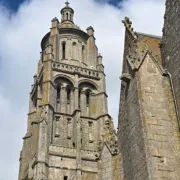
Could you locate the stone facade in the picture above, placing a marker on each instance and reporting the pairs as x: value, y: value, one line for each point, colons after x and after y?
x: 148, y: 130
x: 170, y: 47
x: 70, y: 135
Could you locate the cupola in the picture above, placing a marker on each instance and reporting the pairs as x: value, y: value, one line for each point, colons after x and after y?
x: 67, y: 13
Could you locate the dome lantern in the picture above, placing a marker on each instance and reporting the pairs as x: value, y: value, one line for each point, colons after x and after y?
x: 67, y: 13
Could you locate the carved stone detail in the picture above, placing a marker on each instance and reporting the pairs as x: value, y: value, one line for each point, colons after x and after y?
x: 126, y: 77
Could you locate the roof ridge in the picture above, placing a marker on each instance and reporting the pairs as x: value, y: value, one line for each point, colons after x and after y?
x: 149, y: 35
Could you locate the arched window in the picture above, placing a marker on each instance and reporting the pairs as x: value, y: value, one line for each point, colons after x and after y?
x: 63, y: 50
x: 87, y: 98
x: 83, y: 53
x: 67, y: 16
x: 74, y: 50
x: 58, y: 93
x: 68, y: 96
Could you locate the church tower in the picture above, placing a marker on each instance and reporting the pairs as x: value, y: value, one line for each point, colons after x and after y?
x: 70, y: 135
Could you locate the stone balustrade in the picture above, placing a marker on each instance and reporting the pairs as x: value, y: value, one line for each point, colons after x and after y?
x: 74, y: 69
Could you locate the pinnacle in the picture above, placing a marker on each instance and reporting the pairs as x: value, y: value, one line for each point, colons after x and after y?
x: 127, y: 23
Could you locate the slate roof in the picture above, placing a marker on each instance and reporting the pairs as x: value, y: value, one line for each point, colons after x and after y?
x: 152, y: 43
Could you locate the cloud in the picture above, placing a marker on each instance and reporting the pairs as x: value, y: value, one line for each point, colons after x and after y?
x: 21, y: 34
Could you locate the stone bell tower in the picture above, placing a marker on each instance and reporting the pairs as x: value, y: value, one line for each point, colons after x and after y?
x: 70, y: 134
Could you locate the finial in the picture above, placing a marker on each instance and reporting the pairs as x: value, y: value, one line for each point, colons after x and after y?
x: 67, y: 3
x: 128, y: 24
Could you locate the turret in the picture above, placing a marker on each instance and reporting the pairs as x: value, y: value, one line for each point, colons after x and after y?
x: 67, y: 13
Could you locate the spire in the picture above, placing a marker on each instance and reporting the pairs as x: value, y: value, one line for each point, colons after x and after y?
x: 67, y: 13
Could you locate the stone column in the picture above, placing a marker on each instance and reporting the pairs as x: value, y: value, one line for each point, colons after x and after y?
x: 68, y: 104
x: 83, y: 103
x: 78, y: 145
x: 58, y: 100
x: 42, y: 152
x: 69, y: 128
x: 63, y: 99
x: 69, y: 132
x: 60, y: 50
x: 66, y: 50
x: 106, y: 105
x: 85, y: 54
x: 90, y: 130
x: 69, y: 49
x: 76, y: 98
x: 79, y: 51
x: 72, y: 102
x: 57, y: 122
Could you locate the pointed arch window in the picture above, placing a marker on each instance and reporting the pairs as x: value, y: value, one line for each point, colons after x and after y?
x: 63, y: 50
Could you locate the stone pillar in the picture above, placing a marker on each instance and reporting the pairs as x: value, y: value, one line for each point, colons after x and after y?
x: 58, y: 106
x: 69, y: 132
x: 66, y: 50
x: 91, y: 109
x: 69, y: 128
x: 60, y: 50
x: 63, y: 100
x: 83, y: 103
x: 69, y: 49
x: 72, y: 102
x: 42, y: 153
x: 57, y: 123
x: 76, y: 98
x: 90, y: 130
x: 106, y: 103
x: 85, y: 54
x: 79, y: 53
x: 68, y: 104
x: 91, y: 48
x: 58, y: 97
x: 78, y: 145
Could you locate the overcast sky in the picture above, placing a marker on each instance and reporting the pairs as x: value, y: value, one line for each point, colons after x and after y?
x: 21, y: 32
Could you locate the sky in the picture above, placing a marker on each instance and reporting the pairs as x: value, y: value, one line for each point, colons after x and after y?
x: 13, y: 5
x: 22, y: 26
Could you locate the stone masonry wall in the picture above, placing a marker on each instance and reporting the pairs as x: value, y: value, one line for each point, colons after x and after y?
x: 106, y: 165
x: 159, y: 118
x: 130, y: 133
x: 130, y: 128
x: 171, y: 44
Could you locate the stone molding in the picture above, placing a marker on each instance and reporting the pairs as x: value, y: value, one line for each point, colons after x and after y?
x: 71, y: 69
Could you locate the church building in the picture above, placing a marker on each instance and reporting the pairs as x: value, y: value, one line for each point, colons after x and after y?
x: 70, y: 135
